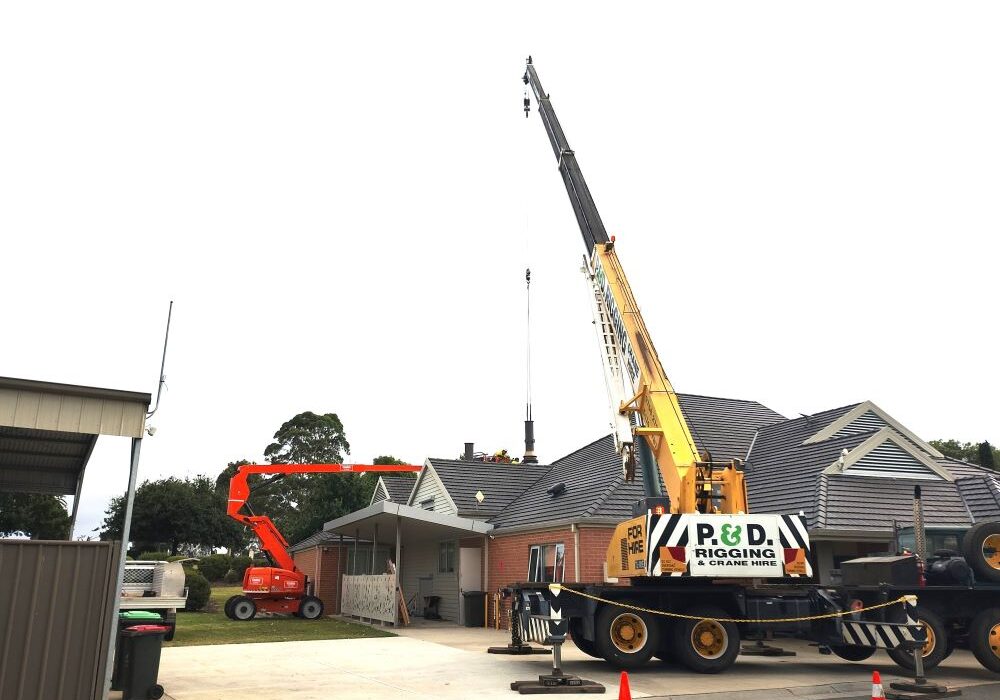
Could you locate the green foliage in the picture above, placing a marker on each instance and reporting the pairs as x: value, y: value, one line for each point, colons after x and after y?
x: 153, y: 556
x: 232, y: 577
x: 174, y: 512
x: 214, y: 567
x: 199, y: 590
x: 177, y: 557
x: 983, y: 454
x: 239, y: 565
x: 33, y: 515
x: 987, y: 455
x: 388, y: 459
x: 309, y: 439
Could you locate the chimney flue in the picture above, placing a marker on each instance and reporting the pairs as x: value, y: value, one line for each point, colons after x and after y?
x: 529, y: 442
x: 468, y: 451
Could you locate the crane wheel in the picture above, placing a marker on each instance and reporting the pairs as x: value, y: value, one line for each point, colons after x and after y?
x: 706, y: 645
x: 849, y: 652
x: 243, y: 608
x: 981, y: 547
x: 984, y: 638
x: 310, y: 608
x: 935, y: 648
x: 625, y: 638
x: 228, y: 607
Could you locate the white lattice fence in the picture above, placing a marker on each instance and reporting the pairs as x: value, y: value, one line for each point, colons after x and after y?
x: 370, y: 596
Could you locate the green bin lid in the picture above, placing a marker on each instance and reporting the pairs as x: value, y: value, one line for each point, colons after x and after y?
x: 139, y: 615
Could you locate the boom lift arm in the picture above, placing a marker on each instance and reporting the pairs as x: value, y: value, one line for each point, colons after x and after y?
x: 647, y: 413
x: 271, y: 540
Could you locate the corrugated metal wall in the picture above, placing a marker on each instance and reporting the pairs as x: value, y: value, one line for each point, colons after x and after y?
x: 55, y: 603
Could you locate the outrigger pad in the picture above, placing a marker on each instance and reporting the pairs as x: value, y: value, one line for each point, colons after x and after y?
x: 518, y: 649
x: 761, y: 649
x: 911, y: 690
x: 556, y: 684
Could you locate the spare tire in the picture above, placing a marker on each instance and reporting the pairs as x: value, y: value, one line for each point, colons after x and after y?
x: 981, y: 546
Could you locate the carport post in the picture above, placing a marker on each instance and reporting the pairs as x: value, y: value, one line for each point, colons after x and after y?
x: 79, y: 488
x: 109, y: 663
x: 357, y: 536
x: 398, y: 595
x: 374, y: 547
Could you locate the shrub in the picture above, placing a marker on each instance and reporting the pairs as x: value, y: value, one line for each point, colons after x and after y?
x: 232, y: 577
x: 153, y: 556
x: 215, y: 566
x: 177, y: 557
x: 240, y: 565
x: 199, y: 590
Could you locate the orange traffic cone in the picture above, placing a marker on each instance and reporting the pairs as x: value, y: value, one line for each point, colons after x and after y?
x: 877, y: 692
x: 624, y: 693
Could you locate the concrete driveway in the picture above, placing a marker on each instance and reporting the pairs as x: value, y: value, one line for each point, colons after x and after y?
x: 443, y: 662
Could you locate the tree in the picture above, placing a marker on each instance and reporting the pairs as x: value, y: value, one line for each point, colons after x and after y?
x: 309, y: 439
x: 38, y: 516
x: 987, y: 455
x: 174, y: 512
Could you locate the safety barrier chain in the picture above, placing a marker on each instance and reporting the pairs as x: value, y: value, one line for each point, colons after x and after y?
x: 557, y: 588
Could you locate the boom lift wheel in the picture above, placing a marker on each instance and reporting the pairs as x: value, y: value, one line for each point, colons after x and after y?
x: 706, y: 645
x: 228, y: 607
x: 243, y: 608
x: 310, y: 608
x: 935, y: 648
x: 981, y: 547
x: 984, y: 638
x: 626, y: 638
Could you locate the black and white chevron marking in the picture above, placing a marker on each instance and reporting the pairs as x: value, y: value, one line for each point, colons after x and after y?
x: 546, y: 626
x: 882, y: 635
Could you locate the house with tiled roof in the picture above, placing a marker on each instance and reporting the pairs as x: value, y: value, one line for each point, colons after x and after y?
x: 393, y: 487
x: 470, y: 526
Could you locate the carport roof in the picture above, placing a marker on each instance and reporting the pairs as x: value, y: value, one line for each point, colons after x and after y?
x: 48, y: 431
x: 417, y: 524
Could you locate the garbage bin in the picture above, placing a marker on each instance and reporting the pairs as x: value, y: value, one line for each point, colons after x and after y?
x: 140, y: 647
x: 475, y: 612
x: 128, y: 618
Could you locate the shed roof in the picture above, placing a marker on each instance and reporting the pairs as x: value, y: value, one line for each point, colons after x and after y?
x: 48, y: 431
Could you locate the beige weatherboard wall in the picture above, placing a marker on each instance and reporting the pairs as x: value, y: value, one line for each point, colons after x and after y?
x: 47, y: 434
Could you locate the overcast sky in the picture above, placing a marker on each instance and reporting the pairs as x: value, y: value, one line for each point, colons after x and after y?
x: 342, y: 198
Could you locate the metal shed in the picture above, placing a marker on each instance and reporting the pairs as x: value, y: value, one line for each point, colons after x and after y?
x: 59, y: 605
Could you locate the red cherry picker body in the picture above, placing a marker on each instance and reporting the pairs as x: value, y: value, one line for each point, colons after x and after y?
x: 281, y: 588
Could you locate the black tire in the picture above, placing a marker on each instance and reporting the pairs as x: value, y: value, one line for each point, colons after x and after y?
x: 310, y: 608
x: 228, y: 607
x: 665, y: 652
x: 625, y: 638
x: 853, y: 653
x: 706, y: 645
x: 582, y: 643
x: 984, y: 638
x: 936, y: 648
x: 155, y: 692
x: 243, y: 608
x: 981, y: 547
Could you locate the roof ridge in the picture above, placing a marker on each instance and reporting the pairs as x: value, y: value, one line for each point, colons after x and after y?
x: 580, y: 449
x: 548, y: 470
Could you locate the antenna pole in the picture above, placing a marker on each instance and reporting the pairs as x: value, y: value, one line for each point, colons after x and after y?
x: 163, y: 361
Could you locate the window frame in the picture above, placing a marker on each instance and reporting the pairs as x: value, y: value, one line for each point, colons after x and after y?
x: 537, y: 558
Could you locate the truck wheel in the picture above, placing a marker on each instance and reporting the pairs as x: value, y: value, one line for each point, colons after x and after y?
x: 625, y: 638
x: 582, y: 643
x: 935, y: 648
x: 665, y: 652
x: 706, y: 645
x: 850, y: 652
x: 984, y: 638
x: 228, y: 607
x: 311, y: 607
x: 981, y: 546
x: 243, y: 608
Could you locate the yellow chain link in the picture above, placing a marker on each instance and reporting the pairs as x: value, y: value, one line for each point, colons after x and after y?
x: 557, y: 588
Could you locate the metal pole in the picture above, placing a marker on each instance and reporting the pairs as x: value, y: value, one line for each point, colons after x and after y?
x: 123, y: 552
x: 357, y: 536
x: 398, y: 567
x: 374, y: 547
x: 341, y: 560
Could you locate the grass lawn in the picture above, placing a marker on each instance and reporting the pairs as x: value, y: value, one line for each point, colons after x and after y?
x: 211, y: 626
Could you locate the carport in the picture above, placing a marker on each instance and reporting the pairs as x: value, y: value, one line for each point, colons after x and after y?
x: 59, y: 602
x: 419, y: 538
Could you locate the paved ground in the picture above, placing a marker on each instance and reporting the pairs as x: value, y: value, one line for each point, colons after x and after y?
x: 444, y: 662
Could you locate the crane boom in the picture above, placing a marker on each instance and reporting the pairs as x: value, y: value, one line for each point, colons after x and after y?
x: 638, y: 384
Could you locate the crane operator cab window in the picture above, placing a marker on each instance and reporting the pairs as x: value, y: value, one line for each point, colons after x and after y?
x: 547, y: 563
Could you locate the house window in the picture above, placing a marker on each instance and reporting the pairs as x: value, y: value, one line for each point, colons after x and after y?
x: 446, y: 557
x: 427, y: 504
x: 547, y: 563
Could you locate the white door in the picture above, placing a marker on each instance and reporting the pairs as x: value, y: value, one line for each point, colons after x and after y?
x: 470, y: 575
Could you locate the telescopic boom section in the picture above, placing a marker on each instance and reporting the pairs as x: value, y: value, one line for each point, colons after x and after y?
x: 271, y: 540
x: 694, y: 484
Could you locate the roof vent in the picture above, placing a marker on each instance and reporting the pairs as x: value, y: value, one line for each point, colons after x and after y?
x: 556, y: 489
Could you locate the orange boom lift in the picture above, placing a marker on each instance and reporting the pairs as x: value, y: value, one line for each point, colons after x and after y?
x: 281, y: 588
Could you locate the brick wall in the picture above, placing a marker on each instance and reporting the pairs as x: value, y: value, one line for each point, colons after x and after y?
x: 323, y: 565
x: 508, y: 556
